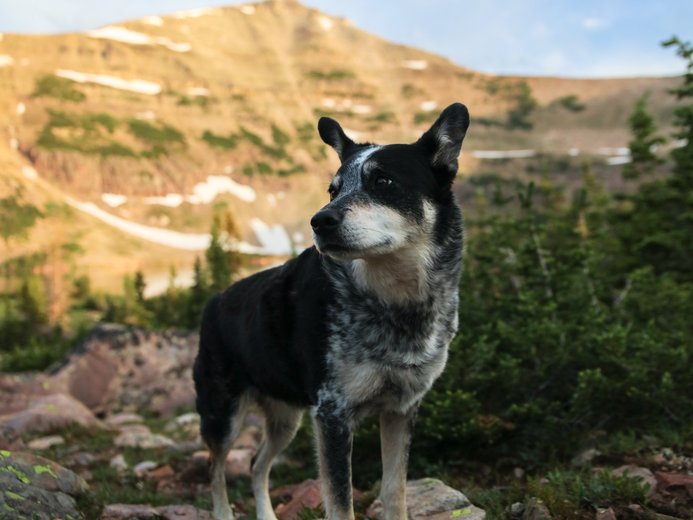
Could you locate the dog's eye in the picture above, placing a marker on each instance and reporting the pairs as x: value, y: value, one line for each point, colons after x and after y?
x: 381, y: 180
x: 332, y: 191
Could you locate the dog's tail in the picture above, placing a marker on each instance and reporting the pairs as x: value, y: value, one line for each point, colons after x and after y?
x: 210, y: 378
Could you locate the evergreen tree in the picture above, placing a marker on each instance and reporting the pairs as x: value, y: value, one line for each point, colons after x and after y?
x: 683, y: 117
x: 32, y: 302
x: 643, y: 158
x: 199, y: 292
x: 656, y: 231
x: 218, y: 258
x: 139, y: 286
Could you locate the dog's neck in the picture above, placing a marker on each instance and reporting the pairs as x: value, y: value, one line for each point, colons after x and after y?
x: 399, y: 277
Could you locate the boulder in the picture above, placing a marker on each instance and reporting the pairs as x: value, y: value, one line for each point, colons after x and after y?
x: 535, y: 509
x: 44, y: 443
x: 430, y: 498
x: 33, y: 487
x: 47, y: 414
x: 145, y: 512
x: 643, y: 475
x: 238, y: 462
x: 303, y: 495
x: 139, y: 436
x: 118, y: 367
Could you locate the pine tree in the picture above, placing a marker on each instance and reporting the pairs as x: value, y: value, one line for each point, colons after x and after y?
x: 643, y: 158
x: 683, y: 117
x: 218, y: 260
x: 199, y: 292
x: 140, y: 286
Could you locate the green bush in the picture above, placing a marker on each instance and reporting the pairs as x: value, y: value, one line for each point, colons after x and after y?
x: 563, y: 334
x: 88, y: 133
x: 227, y: 143
x: 570, y: 102
x: 331, y: 75
x: 58, y: 88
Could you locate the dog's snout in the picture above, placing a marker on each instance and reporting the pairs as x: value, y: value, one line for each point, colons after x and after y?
x: 325, y: 220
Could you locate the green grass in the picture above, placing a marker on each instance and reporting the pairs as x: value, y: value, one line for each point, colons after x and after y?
x: 331, y: 75
x: 577, y: 495
x: 570, y: 102
x: 218, y: 141
x: 425, y: 117
x: 386, y: 116
x: 88, y: 133
x: 49, y: 85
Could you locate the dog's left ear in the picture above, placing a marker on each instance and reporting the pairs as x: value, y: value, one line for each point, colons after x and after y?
x: 331, y: 133
x: 443, y: 141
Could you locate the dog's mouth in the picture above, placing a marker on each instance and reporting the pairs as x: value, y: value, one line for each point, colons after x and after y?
x: 343, y: 251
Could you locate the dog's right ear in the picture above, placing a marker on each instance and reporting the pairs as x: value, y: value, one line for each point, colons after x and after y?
x: 331, y: 133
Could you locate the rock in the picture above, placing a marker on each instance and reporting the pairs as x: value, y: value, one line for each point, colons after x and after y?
x: 518, y: 473
x: 304, y: 495
x: 585, y: 457
x: 643, y: 475
x: 250, y: 437
x: 46, y: 414
x: 430, y: 498
x: 83, y: 458
x: 238, y: 462
x: 118, y: 463
x: 139, y: 436
x: 516, y: 509
x: 670, y: 481
x: 123, y: 419
x: 145, y: 467
x: 162, y: 472
x: 145, y: 512
x: 43, y: 443
x: 36, y: 488
x: 605, y: 514
x: 118, y: 367
x: 535, y: 509
x: 188, y: 423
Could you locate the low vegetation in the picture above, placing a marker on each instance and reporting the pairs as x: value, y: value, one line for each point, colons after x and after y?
x: 93, y: 134
x: 331, y: 75
x: 575, y: 307
x: 59, y: 88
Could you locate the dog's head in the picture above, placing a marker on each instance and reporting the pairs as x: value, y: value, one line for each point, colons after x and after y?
x: 384, y: 198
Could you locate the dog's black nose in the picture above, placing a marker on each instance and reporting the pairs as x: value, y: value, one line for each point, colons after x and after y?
x: 325, y: 220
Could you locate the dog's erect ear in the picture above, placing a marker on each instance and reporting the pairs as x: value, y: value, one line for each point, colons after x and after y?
x: 443, y: 141
x: 332, y: 134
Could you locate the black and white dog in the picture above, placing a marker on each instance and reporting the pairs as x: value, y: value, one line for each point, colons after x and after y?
x: 358, y: 324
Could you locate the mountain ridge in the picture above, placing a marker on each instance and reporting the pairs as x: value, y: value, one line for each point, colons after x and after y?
x: 156, y: 112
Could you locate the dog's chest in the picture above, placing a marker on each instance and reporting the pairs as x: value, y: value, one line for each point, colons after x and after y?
x: 387, y: 357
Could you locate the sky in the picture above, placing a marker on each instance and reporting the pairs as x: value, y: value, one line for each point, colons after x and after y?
x: 586, y: 38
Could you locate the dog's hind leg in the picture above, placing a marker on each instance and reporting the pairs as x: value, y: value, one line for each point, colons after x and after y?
x: 281, y: 424
x: 221, y: 403
x: 219, y: 447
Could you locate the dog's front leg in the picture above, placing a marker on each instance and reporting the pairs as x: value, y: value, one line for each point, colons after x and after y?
x: 395, y: 437
x: 334, y: 436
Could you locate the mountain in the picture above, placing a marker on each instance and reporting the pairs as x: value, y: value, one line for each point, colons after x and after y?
x: 127, y: 138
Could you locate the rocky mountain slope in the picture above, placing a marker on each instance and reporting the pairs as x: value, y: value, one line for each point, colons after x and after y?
x: 133, y: 134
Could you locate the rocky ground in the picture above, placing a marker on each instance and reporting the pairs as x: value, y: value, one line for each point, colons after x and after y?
x: 109, y: 434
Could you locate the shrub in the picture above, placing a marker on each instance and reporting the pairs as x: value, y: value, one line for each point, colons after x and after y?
x: 58, y: 88
x: 570, y: 102
x: 227, y: 143
x: 331, y: 75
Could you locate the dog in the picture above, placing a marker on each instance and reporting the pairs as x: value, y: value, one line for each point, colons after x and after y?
x: 358, y: 324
